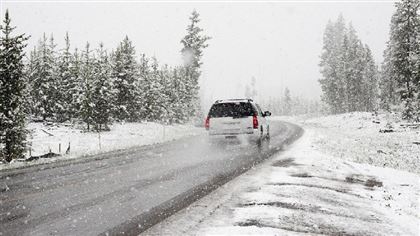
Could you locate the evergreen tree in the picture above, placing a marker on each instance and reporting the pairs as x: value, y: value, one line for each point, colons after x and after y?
x: 178, y: 98
x: 54, y: 92
x: 44, y: 84
x: 403, y: 55
x: 251, y: 90
x: 155, y: 93
x: 12, y: 86
x: 193, y: 44
x: 126, y: 80
x: 74, y: 86
x: 30, y: 76
x: 166, y: 95
x: 287, y: 100
x: 353, y: 66
x: 87, y: 104
x: 332, y: 81
x: 102, y: 91
x: 369, y: 90
x: 144, y: 87
x: 66, y: 83
x: 388, y: 83
x: 173, y: 96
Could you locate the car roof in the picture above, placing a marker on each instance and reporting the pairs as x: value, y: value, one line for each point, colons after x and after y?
x: 234, y: 100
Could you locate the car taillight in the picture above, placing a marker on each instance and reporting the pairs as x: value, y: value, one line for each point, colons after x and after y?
x: 207, y: 123
x: 255, y: 122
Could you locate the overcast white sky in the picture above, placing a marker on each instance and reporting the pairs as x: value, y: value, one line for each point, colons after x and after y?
x: 277, y: 42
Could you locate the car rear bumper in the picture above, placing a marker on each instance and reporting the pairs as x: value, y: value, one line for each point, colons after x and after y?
x: 250, y: 136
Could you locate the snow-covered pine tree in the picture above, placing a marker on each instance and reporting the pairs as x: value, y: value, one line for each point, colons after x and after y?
x: 326, y: 81
x: 156, y: 101
x: 75, y: 85
x: 172, y: 94
x: 193, y: 44
x: 287, y: 102
x: 102, y: 91
x: 369, y: 90
x: 66, y: 82
x: 298, y: 106
x: 388, y: 95
x: 179, y: 95
x: 87, y: 76
x: 166, y: 94
x: 254, y: 92
x: 251, y: 89
x: 353, y: 66
x: 187, y: 98
x: 404, y: 55
x: 144, y: 87
x: 126, y: 80
x: 44, y: 83
x: 12, y: 86
x: 55, y: 83
x: 332, y: 83
x: 155, y: 90
x: 30, y: 70
x: 36, y: 80
x: 388, y: 82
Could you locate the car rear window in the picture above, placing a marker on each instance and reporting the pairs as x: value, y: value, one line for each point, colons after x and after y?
x: 239, y: 109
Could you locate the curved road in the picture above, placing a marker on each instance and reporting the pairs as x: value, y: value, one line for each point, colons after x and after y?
x: 124, y: 192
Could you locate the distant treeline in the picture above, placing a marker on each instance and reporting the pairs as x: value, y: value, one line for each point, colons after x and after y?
x: 284, y: 104
x: 350, y: 79
x: 287, y: 105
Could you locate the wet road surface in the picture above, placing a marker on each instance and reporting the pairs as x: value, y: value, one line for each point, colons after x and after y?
x: 125, y: 192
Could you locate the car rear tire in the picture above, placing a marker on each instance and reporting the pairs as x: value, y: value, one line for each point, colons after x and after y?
x: 261, y: 138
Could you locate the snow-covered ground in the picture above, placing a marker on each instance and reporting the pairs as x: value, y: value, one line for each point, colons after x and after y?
x: 314, y: 188
x: 357, y: 137
x: 45, y: 138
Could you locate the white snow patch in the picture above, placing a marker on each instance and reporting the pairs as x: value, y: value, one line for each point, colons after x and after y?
x: 357, y: 137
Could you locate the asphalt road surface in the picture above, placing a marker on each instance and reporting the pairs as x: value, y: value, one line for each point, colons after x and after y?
x: 125, y: 192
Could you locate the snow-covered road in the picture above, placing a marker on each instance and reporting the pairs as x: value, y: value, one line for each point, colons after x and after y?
x: 304, y: 191
x: 123, y: 191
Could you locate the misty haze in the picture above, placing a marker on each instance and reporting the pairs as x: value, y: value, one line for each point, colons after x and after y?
x: 209, y: 118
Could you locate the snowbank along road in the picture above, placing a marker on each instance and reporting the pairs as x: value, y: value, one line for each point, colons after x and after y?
x: 125, y: 192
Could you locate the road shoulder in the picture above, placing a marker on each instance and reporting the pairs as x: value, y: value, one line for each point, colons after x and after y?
x: 62, y: 144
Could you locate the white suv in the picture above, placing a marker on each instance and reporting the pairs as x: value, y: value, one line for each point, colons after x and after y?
x: 237, y: 118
